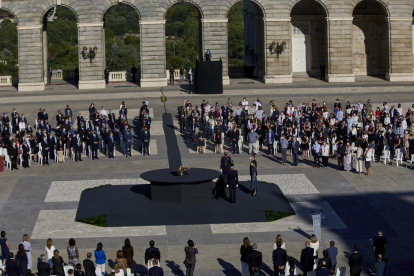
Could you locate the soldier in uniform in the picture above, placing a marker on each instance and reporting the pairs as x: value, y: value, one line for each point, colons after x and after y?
x: 219, y: 190
x: 232, y: 182
x: 106, y: 73
x: 134, y: 73
x: 181, y: 118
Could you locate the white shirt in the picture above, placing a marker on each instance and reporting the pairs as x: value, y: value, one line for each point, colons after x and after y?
x: 49, y: 252
x: 22, y: 126
x: 283, y: 246
x: 325, y: 150
x: 103, y: 112
x: 315, y: 247
x: 257, y: 104
x: 245, y: 104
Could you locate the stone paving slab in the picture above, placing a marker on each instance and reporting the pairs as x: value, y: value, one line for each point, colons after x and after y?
x: 61, y: 224
x: 301, y: 221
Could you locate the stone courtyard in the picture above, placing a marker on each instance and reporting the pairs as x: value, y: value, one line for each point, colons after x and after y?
x: 42, y: 201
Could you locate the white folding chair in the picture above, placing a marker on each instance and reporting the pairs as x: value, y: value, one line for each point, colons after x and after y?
x: 410, y: 161
x: 8, y: 161
x: 398, y: 156
x: 90, y: 152
x: 205, y: 144
x: 241, y: 140
x: 84, y: 145
x: 385, y: 156
x: 66, y: 268
x: 40, y: 156
x: 371, y: 154
x: 72, y: 156
x: 65, y: 152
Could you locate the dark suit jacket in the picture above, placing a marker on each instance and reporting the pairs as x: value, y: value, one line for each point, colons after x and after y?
x: 190, y: 257
x: 254, y: 259
x: 43, y: 268
x: 328, y: 262
x: 381, y: 267
x: 355, y: 261
x: 89, y: 267
x: 332, y: 253
x: 13, y: 268
x: 322, y: 272
x: 148, y: 254
x: 156, y: 270
x: 280, y: 257
x: 306, y: 257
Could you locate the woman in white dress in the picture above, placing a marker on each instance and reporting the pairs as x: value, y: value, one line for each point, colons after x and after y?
x: 28, y: 248
x: 315, y: 245
x: 49, y: 252
x: 290, y: 264
x: 279, y: 239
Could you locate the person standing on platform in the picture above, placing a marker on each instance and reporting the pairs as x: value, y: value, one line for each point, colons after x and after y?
x: 171, y: 75
x: 253, y: 173
x: 182, y: 75
x: 232, y: 182
x: 225, y: 163
x: 134, y: 73
x: 190, y: 258
x: 106, y: 74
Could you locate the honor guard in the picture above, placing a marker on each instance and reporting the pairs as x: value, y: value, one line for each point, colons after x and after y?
x: 181, y: 115
x: 232, y: 182
x: 225, y: 163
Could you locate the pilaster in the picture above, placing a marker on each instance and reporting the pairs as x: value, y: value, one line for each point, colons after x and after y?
x: 153, y: 54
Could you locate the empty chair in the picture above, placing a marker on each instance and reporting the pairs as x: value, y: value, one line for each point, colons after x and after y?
x: 385, y: 156
x: 398, y: 156
x: 371, y: 154
x: 410, y: 161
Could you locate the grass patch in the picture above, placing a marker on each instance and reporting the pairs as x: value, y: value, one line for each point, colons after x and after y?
x: 276, y: 215
x: 97, y: 187
x: 97, y: 221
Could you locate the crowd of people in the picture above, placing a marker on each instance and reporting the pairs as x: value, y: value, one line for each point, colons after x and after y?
x: 20, y: 143
x: 52, y: 262
x: 361, y: 132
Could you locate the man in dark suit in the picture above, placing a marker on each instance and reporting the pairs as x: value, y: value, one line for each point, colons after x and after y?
x: 43, y: 267
x: 190, y: 258
x: 390, y: 140
x: 52, y: 144
x: 232, y: 181
x: 155, y: 270
x: 326, y: 260
x: 110, y: 142
x: 332, y: 253
x: 306, y: 258
x: 12, y: 267
x: 373, y: 271
x: 29, y: 129
x: 279, y: 259
x: 128, y: 142
x: 77, y: 145
x: 235, y: 135
x: 59, y: 118
x: 89, y: 265
x: 152, y: 248
x: 25, y: 154
x: 111, y: 119
x: 295, y: 151
x: 380, y: 266
x: 254, y: 259
x: 45, y: 150
x: 94, y: 141
x: 341, y: 155
x: 68, y: 111
x: 145, y: 137
x: 323, y: 271
x: 13, y: 151
x: 270, y: 139
x: 355, y: 261
x: 379, y: 245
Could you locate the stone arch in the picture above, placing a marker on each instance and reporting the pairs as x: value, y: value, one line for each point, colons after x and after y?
x: 195, y: 4
x: 382, y: 3
x: 126, y: 3
x: 10, y: 11
x: 257, y: 4
x: 63, y: 5
x: 318, y: 1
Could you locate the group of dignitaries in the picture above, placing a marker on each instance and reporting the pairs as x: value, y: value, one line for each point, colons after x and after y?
x: 308, y: 128
x: 94, y: 132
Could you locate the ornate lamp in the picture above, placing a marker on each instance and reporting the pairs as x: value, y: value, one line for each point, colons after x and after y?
x: 276, y: 48
x: 91, y: 54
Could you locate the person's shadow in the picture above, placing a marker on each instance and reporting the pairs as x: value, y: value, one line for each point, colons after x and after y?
x: 140, y: 270
x: 228, y: 268
x: 175, y: 268
x: 111, y: 263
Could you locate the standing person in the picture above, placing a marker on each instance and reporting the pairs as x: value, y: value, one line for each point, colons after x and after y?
x: 306, y: 258
x: 325, y: 154
x: 245, y: 249
x: 128, y: 251
x: 252, y: 137
x: 49, y: 252
x: 100, y: 257
x: 73, y: 253
x: 235, y: 136
x: 171, y: 75
x: 12, y: 267
x: 322, y: 68
x: 190, y: 80
x: 316, y: 151
x: 359, y: 158
x: 28, y: 249
x: 50, y: 75
x: 283, y: 148
x: 58, y: 264
x: 76, y: 72
x: 5, y: 247
x: 379, y: 244
x: 332, y: 253
x: 106, y: 74
x: 190, y: 258
x: 152, y: 250
x: 59, y: 149
x: 232, y: 183
x: 348, y: 157
x: 43, y: 267
x: 1, y: 161
x: 270, y: 138
x: 155, y: 270
x: 253, y: 174
x: 121, y: 261
x: 341, y: 155
x: 21, y: 259
x: 134, y: 73
x: 254, y: 259
x: 355, y: 261
x: 182, y: 75
x: 89, y: 266
x: 280, y: 259
x: 77, y: 145
x: 295, y: 151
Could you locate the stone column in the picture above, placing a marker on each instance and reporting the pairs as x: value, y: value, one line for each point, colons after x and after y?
x: 91, y: 74
x: 339, y: 67
x: 215, y: 38
x: 153, y: 55
x: 31, y: 76
x: 278, y: 69
x: 400, y: 50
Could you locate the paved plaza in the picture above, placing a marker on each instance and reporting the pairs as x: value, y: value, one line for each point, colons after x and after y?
x: 42, y: 201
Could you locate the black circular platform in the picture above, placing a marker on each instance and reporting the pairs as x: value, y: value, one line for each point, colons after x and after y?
x: 195, y: 186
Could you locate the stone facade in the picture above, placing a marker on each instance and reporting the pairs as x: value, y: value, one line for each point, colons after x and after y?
x: 350, y: 37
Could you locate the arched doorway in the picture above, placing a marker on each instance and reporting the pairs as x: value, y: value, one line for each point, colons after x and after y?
x: 122, y: 42
x: 8, y: 49
x: 370, y: 50
x: 309, y: 38
x: 246, y: 40
x: 60, y: 46
x: 183, y: 37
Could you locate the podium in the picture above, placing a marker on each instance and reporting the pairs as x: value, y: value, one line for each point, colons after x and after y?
x: 208, y: 77
x: 317, y: 221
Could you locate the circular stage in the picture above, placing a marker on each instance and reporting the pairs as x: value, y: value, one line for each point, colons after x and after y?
x: 194, y: 186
